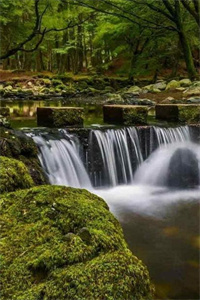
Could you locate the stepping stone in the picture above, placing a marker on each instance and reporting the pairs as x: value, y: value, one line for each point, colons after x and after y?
x: 58, y: 117
x: 187, y: 113
x: 125, y: 114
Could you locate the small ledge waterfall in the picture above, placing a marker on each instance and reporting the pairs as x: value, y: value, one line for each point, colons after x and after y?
x: 113, y: 157
x: 61, y: 161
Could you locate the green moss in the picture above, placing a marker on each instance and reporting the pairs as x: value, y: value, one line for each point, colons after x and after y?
x: 135, y: 116
x: 56, y: 82
x: 45, y: 256
x: 46, y: 82
x: 189, y: 114
x: 13, y: 175
x: 67, y: 117
x: 16, y: 145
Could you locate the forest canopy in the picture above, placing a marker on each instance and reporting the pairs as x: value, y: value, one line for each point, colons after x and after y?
x: 122, y: 37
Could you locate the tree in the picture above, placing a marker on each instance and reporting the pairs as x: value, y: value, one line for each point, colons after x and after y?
x: 37, y: 31
x: 171, y: 10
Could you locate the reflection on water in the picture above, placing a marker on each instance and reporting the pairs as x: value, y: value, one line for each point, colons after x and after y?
x: 162, y: 229
x: 23, y: 113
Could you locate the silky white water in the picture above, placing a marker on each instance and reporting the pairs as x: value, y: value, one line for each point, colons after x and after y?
x: 61, y: 162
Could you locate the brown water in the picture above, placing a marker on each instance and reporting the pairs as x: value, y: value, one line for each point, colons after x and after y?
x: 162, y: 229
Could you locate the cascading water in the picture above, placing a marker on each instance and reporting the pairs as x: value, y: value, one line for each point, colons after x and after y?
x: 115, y: 156
x: 61, y: 161
x: 119, y: 151
x: 172, y: 135
x: 173, y: 165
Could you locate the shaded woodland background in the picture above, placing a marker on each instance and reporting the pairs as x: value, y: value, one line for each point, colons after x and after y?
x: 114, y: 37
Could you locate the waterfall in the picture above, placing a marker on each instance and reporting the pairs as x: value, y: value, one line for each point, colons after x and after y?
x: 61, y: 161
x: 112, y: 157
x: 172, y: 135
x: 119, y: 150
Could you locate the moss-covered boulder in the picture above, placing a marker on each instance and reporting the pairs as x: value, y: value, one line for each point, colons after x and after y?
x: 173, y: 84
x: 45, y: 254
x: 14, y: 175
x: 15, y: 144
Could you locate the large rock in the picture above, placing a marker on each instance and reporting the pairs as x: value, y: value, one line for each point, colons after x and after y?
x: 185, y: 82
x: 134, y: 89
x: 15, y: 144
x: 125, y: 114
x: 45, y: 255
x: 183, y: 169
x: 172, y: 85
x: 186, y: 113
x: 160, y: 85
x: 60, y: 116
x: 14, y: 175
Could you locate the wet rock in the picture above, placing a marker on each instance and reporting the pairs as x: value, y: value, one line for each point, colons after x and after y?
x: 180, y: 89
x: 8, y: 88
x: 144, y: 101
x: 147, y: 88
x: 114, y: 99
x: 172, y: 85
x: 160, y: 85
x: 169, y: 100
x: 185, y: 82
x: 134, y: 89
x: 183, y: 169
x: 195, y: 100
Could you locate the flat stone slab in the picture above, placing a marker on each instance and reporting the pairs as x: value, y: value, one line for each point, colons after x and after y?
x: 187, y: 113
x: 57, y: 117
x: 125, y: 114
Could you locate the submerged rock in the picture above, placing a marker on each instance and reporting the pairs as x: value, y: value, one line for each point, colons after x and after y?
x: 183, y: 169
x: 46, y: 258
x: 13, y: 175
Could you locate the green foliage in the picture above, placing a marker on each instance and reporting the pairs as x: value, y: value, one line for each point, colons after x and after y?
x: 13, y: 175
x: 135, y: 38
x: 46, y: 256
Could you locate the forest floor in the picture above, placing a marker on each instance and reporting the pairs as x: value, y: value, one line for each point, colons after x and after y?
x: 7, y: 77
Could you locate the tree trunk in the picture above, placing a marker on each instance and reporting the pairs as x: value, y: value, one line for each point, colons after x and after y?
x: 187, y: 55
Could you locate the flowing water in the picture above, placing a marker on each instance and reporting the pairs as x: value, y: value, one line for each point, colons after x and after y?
x: 150, y: 178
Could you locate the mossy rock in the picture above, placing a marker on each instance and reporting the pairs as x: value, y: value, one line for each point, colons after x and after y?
x: 60, y: 116
x: 189, y: 114
x: 13, y: 175
x: 15, y: 144
x: 46, y: 82
x: 125, y: 114
x: 43, y: 255
x: 56, y: 82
